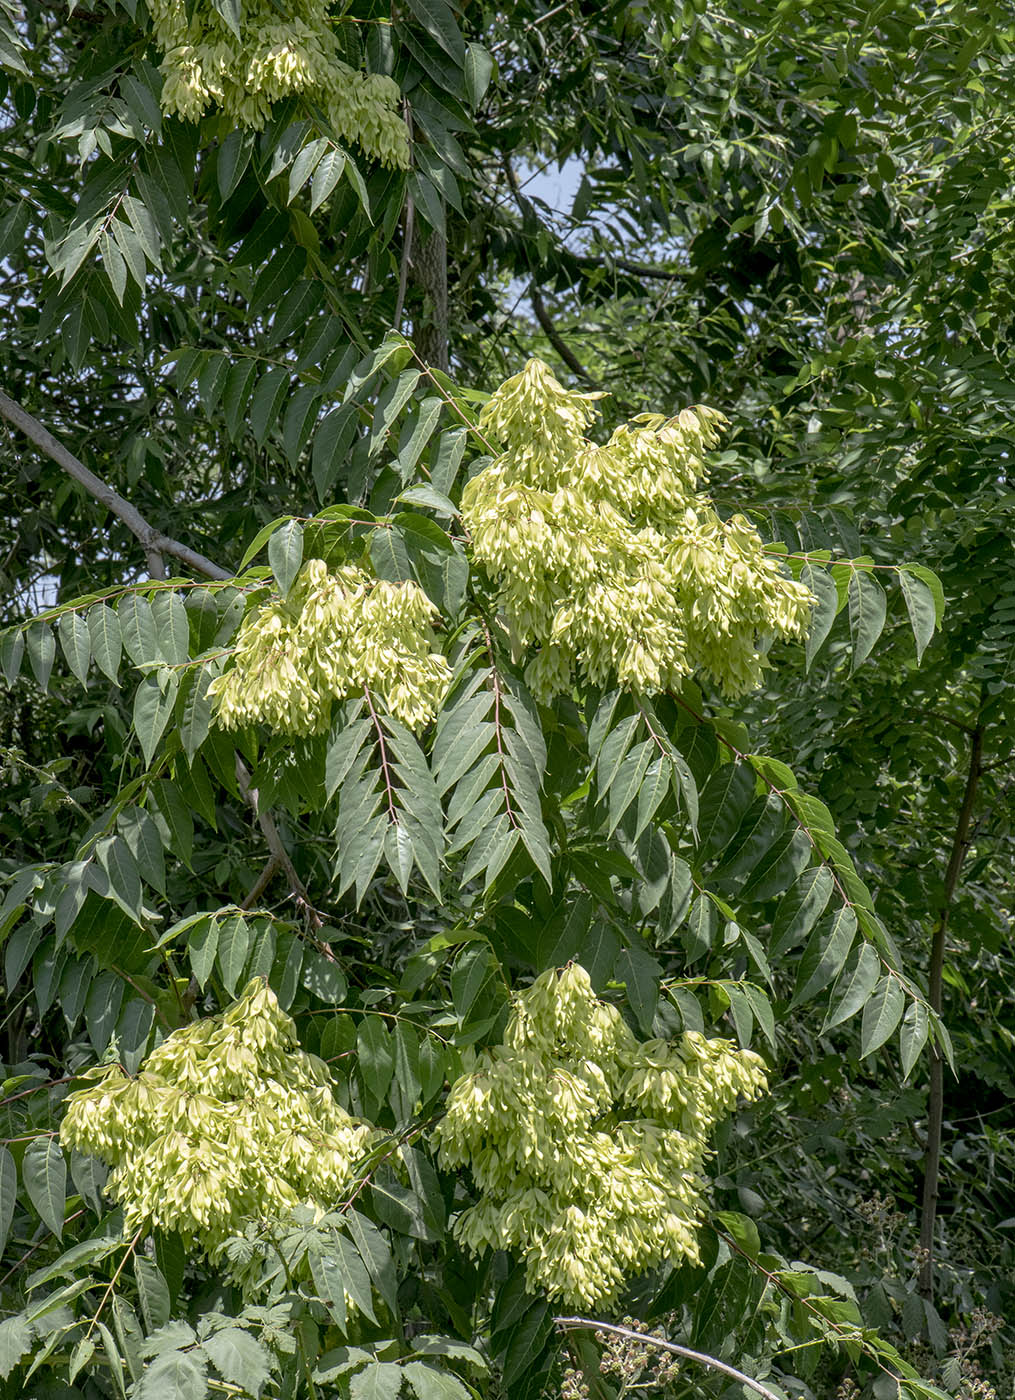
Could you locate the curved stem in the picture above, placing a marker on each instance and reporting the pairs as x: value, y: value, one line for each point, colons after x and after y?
x: 649, y: 1340
x: 155, y: 543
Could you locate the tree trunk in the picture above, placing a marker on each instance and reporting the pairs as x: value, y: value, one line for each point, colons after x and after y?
x: 935, y: 1105
x: 429, y: 267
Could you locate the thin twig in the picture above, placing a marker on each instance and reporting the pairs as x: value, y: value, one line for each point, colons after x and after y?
x: 553, y: 335
x: 46, y: 1239
x: 403, y: 270
x: 127, y: 1254
x: 650, y: 1340
x: 410, y: 219
x: 536, y: 297
x: 274, y: 841
x: 262, y: 882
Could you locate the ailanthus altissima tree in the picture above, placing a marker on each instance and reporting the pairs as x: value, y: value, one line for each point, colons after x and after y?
x: 413, y: 950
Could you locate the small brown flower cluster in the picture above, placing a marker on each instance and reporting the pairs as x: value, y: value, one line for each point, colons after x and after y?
x: 977, y: 1389
x: 966, y: 1339
x: 847, y: 1389
x: 880, y: 1212
x: 628, y: 1359
x: 573, y: 1385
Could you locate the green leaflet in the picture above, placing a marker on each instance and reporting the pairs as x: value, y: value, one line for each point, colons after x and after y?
x: 922, y: 606
x: 8, y: 1193
x: 854, y: 986
x: 379, y: 1380
x: 239, y: 1358
x: 175, y: 1375
x: 723, y: 803
x: 867, y: 610
x: 44, y: 1171
x: 153, y: 705
x: 881, y: 1015
x: 285, y: 553
x: 825, y: 954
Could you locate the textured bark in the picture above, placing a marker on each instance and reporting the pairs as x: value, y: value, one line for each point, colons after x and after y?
x: 429, y: 268
x: 935, y: 1104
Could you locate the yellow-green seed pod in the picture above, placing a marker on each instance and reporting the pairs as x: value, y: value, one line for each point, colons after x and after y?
x: 586, y: 1146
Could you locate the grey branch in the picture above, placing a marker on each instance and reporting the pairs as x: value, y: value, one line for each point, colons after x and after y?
x: 155, y: 543
x: 262, y: 882
x: 612, y: 263
x: 649, y: 1340
x: 270, y: 831
x: 553, y: 335
x: 536, y: 297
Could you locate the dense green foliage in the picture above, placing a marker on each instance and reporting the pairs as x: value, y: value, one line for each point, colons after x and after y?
x: 341, y: 678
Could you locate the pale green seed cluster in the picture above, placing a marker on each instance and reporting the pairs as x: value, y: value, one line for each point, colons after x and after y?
x: 586, y: 1145
x: 228, y: 1121
x: 608, y: 558
x: 334, y: 634
x: 279, y: 51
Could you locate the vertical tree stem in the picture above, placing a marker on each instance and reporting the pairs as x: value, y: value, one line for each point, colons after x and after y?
x: 429, y: 269
x: 935, y: 1110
